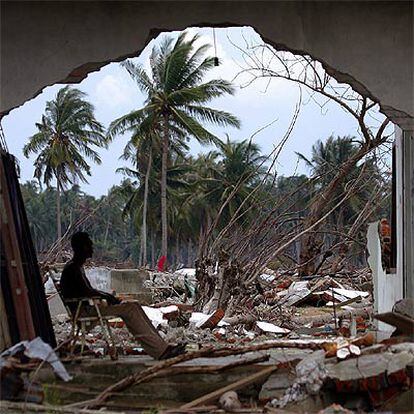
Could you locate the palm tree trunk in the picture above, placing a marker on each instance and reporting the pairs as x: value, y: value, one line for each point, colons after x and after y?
x: 177, y: 251
x: 140, y: 254
x: 58, y: 218
x: 106, y: 232
x: 144, y: 212
x: 152, y: 250
x: 189, y: 253
x: 164, y: 222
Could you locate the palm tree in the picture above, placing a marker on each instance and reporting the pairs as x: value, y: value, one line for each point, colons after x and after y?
x: 334, y: 163
x: 175, y: 102
x: 327, y: 158
x: 143, y: 191
x: 221, y: 193
x: 140, y: 150
x: 67, y: 132
x: 38, y: 211
x: 238, y: 167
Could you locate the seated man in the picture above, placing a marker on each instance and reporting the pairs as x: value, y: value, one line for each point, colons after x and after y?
x: 74, y: 284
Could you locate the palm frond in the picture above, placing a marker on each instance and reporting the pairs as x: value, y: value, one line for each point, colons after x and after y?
x: 139, y: 75
x: 193, y: 127
x: 213, y: 116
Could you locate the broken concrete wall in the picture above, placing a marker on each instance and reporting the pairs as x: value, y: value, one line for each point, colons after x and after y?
x: 388, y: 287
x: 131, y: 282
x: 364, y: 43
x: 128, y: 282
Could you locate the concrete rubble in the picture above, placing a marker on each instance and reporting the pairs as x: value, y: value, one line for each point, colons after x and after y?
x: 317, y: 338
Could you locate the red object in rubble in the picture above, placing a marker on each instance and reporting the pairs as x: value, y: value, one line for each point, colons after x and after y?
x: 214, y: 319
x: 385, y: 228
x: 161, y: 263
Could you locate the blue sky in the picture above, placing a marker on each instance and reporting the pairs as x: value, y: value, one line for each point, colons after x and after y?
x: 113, y: 94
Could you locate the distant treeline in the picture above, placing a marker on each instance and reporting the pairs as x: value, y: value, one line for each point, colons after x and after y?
x: 197, y: 191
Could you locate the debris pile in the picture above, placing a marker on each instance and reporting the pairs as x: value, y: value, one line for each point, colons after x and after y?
x: 177, y: 286
x: 16, y: 365
x: 306, y: 343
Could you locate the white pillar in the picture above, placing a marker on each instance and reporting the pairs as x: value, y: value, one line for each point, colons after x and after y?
x: 408, y: 211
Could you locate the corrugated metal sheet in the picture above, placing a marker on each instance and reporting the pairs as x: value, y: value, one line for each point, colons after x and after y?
x: 22, y: 272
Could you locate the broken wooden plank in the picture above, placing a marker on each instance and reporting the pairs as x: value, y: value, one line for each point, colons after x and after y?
x: 345, y: 302
x: 215, y: 395
x: 323, y: 319
x: 211, y: 369
x: 204, y: 409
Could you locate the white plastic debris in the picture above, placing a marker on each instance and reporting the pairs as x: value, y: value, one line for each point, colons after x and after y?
x: 39, y: 350
x: 186, y: 272
x: 350, y: 294
x: 295, y: 292
x: 221, y: 331
x: 168, y: 309
x: 271, y: 327
x: 343, y: 353
x: 355, y: 350
x: 197, y: 319
x: 251, y: 335
x: 156, y: 315
x: 267, y: 278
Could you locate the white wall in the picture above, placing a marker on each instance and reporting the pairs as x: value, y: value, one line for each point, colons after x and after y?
x: 388, y: 287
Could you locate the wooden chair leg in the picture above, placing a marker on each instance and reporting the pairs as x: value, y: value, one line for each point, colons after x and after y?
x: 83, y: 331
x: 112, y: 352
x: 76, y: 327
x: 74, y: 339
x: 111, y: 335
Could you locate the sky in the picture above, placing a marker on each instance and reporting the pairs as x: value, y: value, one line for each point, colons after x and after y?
x: 114, y: 93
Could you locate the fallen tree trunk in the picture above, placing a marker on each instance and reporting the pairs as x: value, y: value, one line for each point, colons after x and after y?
x: 210, y: 369
x: 323, y: 319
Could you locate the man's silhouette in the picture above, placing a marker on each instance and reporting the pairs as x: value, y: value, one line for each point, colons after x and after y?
x: 74, y: 284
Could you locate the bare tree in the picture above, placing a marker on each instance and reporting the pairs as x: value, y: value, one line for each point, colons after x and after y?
x: 261, y: 61
x: 231, y: 260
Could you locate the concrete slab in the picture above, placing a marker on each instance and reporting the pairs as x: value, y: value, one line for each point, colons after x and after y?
x: 56, y: 306
x: 131, y: 282
x: 91, y: 376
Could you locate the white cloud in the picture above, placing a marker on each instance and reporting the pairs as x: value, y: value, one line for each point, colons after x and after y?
x: 114, y: 91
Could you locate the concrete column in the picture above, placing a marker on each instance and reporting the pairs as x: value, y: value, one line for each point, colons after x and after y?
x: 408, y: 211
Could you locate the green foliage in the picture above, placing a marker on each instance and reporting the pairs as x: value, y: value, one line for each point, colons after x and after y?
x: 226, y: 178
x: 223, y: 181
x: 113, y: 236
x: 67, y: 134
x: 175, y: 108
x: 327, y: 158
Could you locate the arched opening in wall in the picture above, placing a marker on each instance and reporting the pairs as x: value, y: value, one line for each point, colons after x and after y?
x: 168, y: 171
